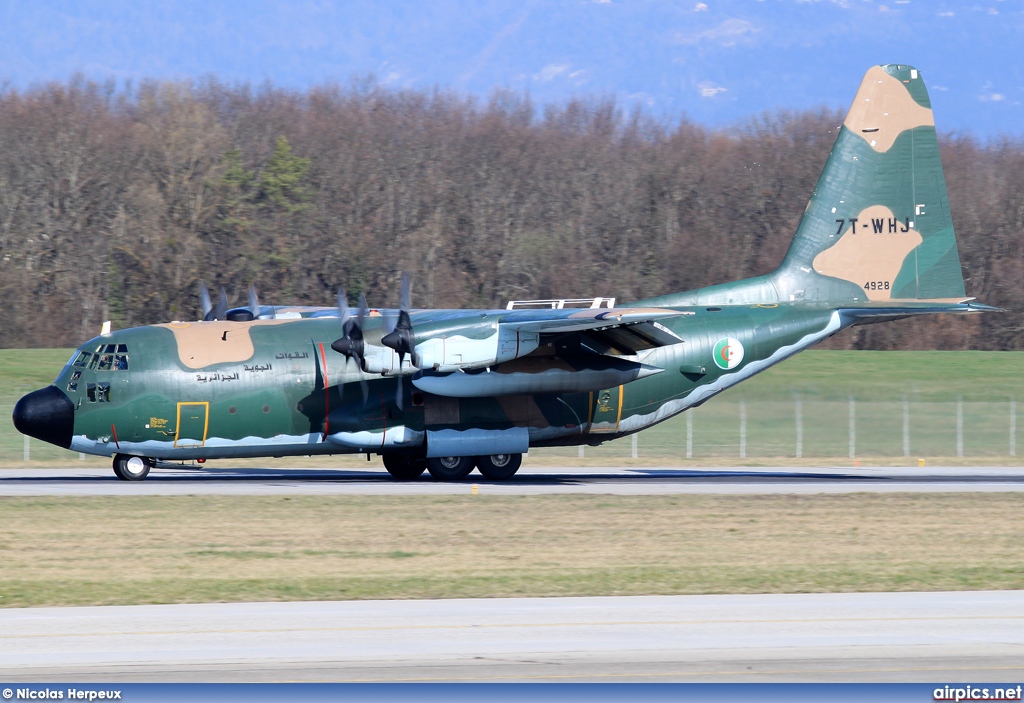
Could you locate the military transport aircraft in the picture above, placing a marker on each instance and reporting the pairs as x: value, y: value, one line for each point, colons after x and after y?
x: 449, y: 390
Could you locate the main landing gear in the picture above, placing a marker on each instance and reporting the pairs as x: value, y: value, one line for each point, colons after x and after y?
x: 404, y: 467
x: 496, y: 467
x: 132, y: 468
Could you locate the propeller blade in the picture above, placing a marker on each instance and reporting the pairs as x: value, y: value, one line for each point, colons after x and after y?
x: 220, y: 312
x: 364, y: 310
x: 204, y: 300
x: 343, y: 311
x: 405, y: 291
x: 400, y: 389
x: 254, y: 301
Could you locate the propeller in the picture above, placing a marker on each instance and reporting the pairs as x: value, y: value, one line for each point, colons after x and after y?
x: 351, y: 343
x: 402, y: 338
x: 209, y: 311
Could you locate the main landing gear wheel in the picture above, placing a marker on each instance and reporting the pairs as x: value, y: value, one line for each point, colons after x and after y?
x: 131, y: 468
x: 499, y: 467
x: 404, y: 467
x: 450, y: 468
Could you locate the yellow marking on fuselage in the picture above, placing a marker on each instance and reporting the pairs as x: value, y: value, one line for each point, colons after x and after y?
x: 206, y: 422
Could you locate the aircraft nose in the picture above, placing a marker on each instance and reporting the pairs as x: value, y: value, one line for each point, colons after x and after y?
x: 46, y: 414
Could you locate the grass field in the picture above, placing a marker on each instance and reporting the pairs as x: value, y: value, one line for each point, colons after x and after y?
x: 77, y: 551
x: 73, y: 551
x: 824, y: 382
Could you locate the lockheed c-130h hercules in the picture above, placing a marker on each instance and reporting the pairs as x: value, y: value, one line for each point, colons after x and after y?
x: 450, y: 390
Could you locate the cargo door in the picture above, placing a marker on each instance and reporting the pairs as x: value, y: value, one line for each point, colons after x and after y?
x: 605, y: 410
x: 193, y: 422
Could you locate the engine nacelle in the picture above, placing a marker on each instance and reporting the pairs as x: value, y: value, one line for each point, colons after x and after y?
x: 463, y: 349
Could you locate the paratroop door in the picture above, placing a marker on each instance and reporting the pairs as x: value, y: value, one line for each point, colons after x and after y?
x: 193, y: 422
x: 606, y: 410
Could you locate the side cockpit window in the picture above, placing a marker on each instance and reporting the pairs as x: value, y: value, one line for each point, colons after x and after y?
x: 98, y: 392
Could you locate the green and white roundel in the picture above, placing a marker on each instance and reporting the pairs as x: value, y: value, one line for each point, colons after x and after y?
x: 728, y: 353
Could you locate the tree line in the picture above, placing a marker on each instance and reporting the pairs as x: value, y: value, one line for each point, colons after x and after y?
x: 115, y: 202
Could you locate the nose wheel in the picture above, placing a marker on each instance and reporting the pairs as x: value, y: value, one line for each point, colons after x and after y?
x: 131, y: 468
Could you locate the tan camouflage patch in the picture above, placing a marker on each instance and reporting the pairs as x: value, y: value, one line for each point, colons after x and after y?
x: 884, y: 109
x: 201, y: 344
x: 865, y: 258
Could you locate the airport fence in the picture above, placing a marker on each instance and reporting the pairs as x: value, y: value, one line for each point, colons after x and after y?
x: 760, y: 428
x: 807, y: 428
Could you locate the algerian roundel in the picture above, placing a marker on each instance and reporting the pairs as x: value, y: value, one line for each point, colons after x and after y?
x: 728, y: 353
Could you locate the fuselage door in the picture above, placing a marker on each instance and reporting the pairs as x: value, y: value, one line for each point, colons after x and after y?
x: 193, y: 423
x: 606, y: 410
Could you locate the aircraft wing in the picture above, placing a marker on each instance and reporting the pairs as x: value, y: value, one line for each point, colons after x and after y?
x: 577, y: 320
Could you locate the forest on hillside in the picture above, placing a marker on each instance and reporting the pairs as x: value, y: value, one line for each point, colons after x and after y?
x: 116, y: 202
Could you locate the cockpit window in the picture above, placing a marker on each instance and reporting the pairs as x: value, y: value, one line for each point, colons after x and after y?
x: 108, y: 357
x: 121, y: 358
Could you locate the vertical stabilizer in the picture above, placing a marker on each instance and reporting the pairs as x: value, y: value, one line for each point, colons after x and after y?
x: 878, y: 225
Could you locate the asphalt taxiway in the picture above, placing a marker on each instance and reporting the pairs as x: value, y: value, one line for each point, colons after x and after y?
x: 963, y: 636
x: 623, y: 480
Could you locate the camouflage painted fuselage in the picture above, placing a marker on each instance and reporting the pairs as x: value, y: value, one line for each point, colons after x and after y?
x: 292, y: 394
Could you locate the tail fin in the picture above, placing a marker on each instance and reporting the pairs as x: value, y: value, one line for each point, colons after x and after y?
x: 878, y: 225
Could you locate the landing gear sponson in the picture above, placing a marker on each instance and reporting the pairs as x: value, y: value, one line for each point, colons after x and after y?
x: 401, y: 466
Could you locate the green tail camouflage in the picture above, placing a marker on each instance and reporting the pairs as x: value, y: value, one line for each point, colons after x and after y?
x: 877, y: 229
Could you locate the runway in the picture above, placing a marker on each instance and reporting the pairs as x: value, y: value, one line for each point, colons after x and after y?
x: 925, y: 637
x: 532, y: 480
